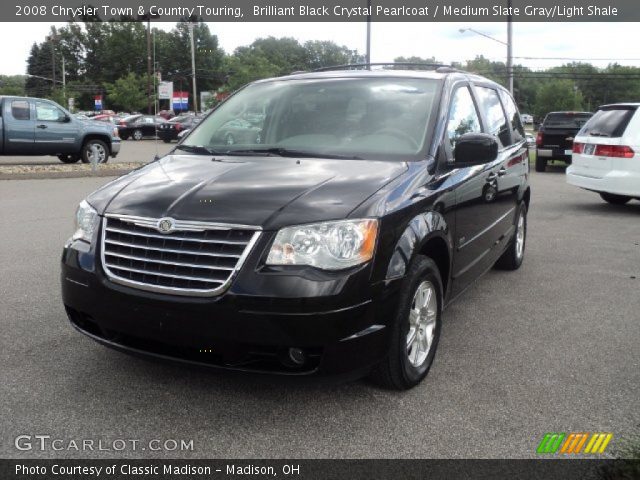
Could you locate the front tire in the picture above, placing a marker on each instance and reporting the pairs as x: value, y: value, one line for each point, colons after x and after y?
x: 614, y: 199
x: 137, y: 135
x: 541, y: 163
x: 95, y: 150
x: 69, y: 158
x: 513, y: 256
x: 415, y: 328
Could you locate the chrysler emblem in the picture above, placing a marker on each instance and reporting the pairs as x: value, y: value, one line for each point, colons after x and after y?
x: 165, y: 225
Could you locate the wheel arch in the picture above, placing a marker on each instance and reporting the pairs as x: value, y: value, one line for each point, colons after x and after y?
x: 426, y: 234
x: 526, y: 196
x: 97, y: 136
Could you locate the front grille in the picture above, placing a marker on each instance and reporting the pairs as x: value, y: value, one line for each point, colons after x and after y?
x: 195, y: 258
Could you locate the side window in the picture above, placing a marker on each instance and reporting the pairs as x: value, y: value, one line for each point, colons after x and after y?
x: 514, y: 117
x: 20, y: 110
x: 47, y: 112
x: 463, y: 117
x: 492, y: 109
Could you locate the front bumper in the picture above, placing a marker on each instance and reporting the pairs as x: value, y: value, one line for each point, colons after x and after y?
x: 167, y: 134
x: 617, y: 182
x: 342, y: 328
x: 115, y: 147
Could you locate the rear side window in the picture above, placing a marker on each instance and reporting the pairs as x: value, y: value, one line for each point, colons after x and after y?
x: 609, y: 122
x: 20, y: 110
x: 492, y: 108
x: 513, y: 116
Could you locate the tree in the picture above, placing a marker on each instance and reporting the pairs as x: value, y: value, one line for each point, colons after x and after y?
x: 127, y: 93
x: 321, y: 54
x: 415, y: 59
x: 557, y: 95
x: 12, y: 84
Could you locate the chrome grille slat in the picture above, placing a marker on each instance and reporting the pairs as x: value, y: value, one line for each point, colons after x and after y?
x: 160, y: 249
x: 195, y: 259
x: 166, y: 262
x: 165, y: 237
x: 161, y: 274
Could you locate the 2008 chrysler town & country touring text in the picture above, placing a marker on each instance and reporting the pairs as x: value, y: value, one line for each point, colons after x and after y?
x: 366, y: 200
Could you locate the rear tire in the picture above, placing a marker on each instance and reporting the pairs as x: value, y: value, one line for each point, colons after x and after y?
x: 419, y: 317
x: 95, y: 147
x: 137, y: 134
x: 166, y: 140
x: 513, y: 256
x: 541, y: 163
x: 614, y: 199
x: 69, y: 158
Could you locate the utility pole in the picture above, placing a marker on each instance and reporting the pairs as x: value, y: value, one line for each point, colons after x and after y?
x: 52, y: 40
x: 369, y: 32
x: 64, y: 82
x: 510, y: 47
x: 193, y: 67
x: 148, y: 63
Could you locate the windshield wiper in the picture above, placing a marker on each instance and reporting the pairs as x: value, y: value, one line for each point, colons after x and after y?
x: 200, y: 150
x: 288, y: 152
x: 599, y: 134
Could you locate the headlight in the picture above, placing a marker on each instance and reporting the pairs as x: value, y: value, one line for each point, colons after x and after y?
x: 86, y: 222
x: 328, y: 245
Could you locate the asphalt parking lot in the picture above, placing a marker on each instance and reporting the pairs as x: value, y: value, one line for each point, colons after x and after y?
x: 552, y: 347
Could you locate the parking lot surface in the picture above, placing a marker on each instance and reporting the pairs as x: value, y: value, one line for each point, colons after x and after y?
x: 552, y: 347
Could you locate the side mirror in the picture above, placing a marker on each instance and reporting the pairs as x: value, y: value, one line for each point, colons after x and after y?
x: 64, y: 119
x: 476, y: 149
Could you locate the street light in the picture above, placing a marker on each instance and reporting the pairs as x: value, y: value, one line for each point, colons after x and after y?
x: 508, y: 43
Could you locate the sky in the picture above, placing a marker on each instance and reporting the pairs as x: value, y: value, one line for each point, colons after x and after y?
x: 444, y: 41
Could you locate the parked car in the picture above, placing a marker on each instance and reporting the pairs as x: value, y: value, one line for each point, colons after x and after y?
x: 112, y: 118
x: 526, y: 118
x: 373, y: 199
x: 36, y: 126
x: 239, y: 130
x: 139, y: 126
x: 555, y: 137
x: 170, y: 130
x: 606, y: 154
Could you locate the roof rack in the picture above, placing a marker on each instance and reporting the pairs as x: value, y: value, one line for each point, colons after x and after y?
x: 367, y: 66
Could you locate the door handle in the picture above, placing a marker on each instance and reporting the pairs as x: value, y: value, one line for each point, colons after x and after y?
x: 42, y: 126
x: 502, y: 172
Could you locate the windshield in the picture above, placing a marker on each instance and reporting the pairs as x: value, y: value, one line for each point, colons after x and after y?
x: 379, y: 118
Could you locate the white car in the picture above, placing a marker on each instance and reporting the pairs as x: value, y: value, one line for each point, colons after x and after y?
x: 606, y: 154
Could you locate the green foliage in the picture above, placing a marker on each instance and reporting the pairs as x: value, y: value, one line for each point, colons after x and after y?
x: 556, y: 95
x: 127, y: 93
x: 12, y: 84
x: 415, y: 59
x: 100, y: 54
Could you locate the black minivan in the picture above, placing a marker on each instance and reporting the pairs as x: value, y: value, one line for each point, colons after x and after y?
x: 330, y: 244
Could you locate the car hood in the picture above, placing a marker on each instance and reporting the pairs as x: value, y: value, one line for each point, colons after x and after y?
x: 269, y: 192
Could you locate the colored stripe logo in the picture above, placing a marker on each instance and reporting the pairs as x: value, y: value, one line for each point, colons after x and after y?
x: 574, y: 443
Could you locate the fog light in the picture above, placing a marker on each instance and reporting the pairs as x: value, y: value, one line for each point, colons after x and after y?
x: 297, y: 356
